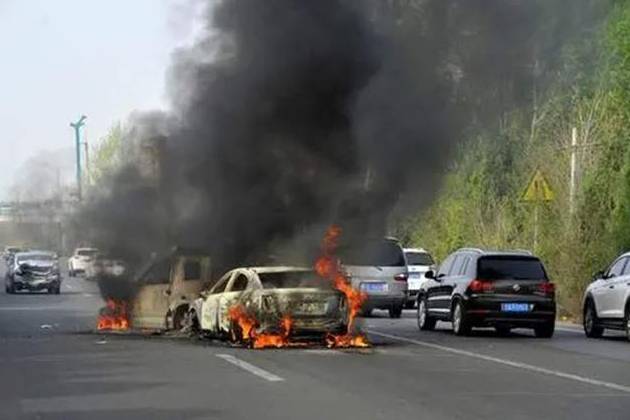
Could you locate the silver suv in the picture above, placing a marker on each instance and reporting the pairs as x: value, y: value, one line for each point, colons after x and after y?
x: 377, y: 267
x: 607, y: 299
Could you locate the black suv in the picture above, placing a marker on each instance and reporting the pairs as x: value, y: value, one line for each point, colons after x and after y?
x: 476, y: 288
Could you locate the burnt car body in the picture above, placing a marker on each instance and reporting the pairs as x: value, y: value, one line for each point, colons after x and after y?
x: 268, y: 294
x: 34, y: 271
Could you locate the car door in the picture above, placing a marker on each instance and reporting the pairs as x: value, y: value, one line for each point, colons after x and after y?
x: 619, y: 292
x: 151, y: 303
x: 235, y: 288
x: 605, y: 294
x: 210, y: 307
x: 187, y: 280
x: 439, y: 293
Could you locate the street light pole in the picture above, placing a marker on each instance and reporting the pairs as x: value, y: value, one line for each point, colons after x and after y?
x: 77, y: 137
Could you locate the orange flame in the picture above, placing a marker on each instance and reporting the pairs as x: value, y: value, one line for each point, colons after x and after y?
x: 346, y: 340
x: 329, y: 267
x: 113, y: 316
x: 248, y: 325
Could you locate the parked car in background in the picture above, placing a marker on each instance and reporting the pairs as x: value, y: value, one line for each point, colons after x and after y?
x: 606, y: 303
x: 419, y: 262
x: 32, y: 271
x: 268, y: 294
x: 81, y: 260
x: 105, y: 266
x: 378, y: 268
x: 477, y: 288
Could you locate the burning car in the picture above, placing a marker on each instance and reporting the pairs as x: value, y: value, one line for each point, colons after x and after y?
x: 258, y: 304
x: 35, y: 270
x: 157, y: 296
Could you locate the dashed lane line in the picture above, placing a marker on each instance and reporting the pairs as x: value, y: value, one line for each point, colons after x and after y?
x: 250, y: 368
x: 505, y: 362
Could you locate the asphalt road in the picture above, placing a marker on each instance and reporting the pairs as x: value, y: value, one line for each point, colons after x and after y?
x: 53, y: 367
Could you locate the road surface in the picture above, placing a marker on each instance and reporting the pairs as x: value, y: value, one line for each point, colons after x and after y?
x: 53, y: 367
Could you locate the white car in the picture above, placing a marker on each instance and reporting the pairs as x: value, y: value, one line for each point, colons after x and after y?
x: 81, y: 260
x: 607, y: 300
x: 419, y: 262
x: 267, y: 295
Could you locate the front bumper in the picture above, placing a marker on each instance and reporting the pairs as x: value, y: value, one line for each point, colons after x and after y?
x: 486, y: 311
x: 36, y: 284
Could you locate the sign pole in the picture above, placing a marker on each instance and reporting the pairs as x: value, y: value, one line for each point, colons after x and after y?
x: 536, y: 207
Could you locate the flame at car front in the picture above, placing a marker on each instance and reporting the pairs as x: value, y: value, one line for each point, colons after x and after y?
x: 114, y: 316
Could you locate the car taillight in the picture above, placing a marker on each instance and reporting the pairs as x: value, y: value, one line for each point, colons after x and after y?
x: 401, y: 277
x: 481, y: 286
x: 547, y: 288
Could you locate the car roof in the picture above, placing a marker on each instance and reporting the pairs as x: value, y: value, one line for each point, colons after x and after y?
x: 486, y: 252
x: 27, y: 253
x: 422, y: 250
x: 276, y: 269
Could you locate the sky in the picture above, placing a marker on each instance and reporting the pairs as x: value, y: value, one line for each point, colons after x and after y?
x: 60, y: 59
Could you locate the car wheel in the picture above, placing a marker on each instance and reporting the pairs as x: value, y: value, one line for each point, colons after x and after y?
x: 366, y: 313
x: 590, y: 321
x: 10, y: 289
x: 395, y: 311
x: 545, y: 330
x: 461, y: 324
x: 190, y: 324
x: 425, y: 321
x: 502, y: 330
x: 179, y: 318
x: 626, y: 321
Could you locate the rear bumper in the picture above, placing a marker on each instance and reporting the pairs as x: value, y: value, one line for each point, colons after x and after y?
x: 487, y: 312
x: 384, y: 302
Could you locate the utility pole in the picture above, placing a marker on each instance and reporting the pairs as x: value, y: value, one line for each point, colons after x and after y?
x: 87, y: 162
x: 573, y: 177
x: 77, y: 138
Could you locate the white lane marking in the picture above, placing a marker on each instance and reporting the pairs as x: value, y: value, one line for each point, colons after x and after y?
x: 518, y: 365
x: 250, y: 368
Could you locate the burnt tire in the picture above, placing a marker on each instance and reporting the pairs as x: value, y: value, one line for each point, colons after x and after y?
x: 395, y: 311
x: 461, y: 323
x: 179, y: 317
x: 545, y: 330
x: 590, y: 321
x: 191, y: 324
x: 425, y: 321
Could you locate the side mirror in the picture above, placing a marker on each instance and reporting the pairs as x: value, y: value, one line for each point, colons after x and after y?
x: 429, y: 274
x: 168, y: 292
x: 599, y: 275
x: 204, y: 293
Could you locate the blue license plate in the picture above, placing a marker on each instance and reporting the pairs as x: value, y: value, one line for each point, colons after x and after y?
x: 515, y: 307
x: 374, y: 287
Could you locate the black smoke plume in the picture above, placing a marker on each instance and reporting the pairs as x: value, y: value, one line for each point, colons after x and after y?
x: 292, y: 114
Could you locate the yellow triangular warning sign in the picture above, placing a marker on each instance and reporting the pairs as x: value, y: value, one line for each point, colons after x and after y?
x: 538, y: 189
